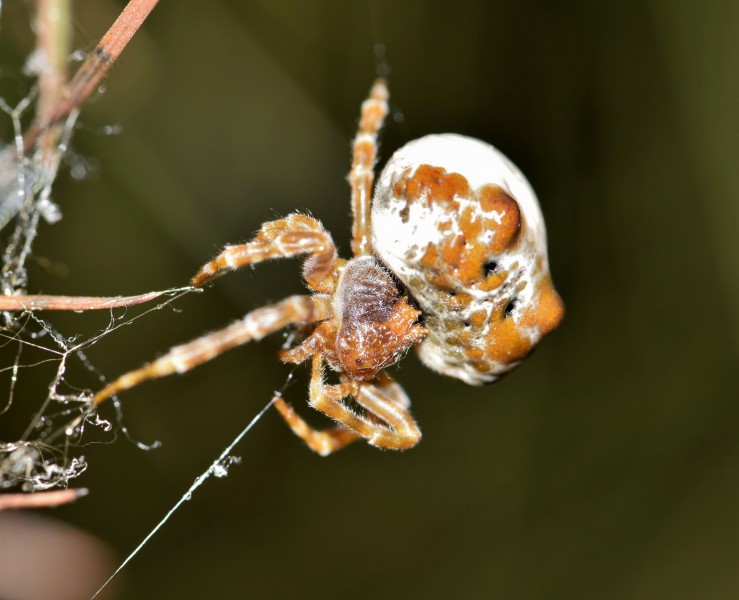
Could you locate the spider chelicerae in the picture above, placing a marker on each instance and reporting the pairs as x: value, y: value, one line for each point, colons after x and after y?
x: 450, y: 256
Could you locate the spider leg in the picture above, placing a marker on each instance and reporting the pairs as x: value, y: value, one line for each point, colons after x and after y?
x: 310, y: 346
x: 389, y: 403
x: 392, y: 390
x: 327, y: 399
x: 362, y: 174
x: 254, y: 326
x: 285, y: 238
x: 326, y: 441
x: 322, y: 442
x: 388, y: 425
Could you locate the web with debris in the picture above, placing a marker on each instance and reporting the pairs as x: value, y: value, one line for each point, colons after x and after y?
x: 47, y: 454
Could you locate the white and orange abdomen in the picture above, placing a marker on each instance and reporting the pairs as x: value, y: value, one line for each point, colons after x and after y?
x: 461, y: 227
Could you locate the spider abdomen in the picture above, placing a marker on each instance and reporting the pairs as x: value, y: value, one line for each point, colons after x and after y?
x: 460, y: 226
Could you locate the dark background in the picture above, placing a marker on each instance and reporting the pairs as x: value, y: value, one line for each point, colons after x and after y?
x: 606, y: 467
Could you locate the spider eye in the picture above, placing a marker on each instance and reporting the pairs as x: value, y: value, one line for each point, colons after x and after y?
x: 508, y: 310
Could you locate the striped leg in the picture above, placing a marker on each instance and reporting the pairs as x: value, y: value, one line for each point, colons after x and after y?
x: 284, y: 238
x: 362, y: 174
x: 389, y: 404
x: 389, y: 424
x: 322, y: 442
x: 254, y: 326
x: 314, y: 343
x: 326, y: 441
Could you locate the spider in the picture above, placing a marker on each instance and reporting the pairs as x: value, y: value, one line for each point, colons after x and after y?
x: 449, y: 257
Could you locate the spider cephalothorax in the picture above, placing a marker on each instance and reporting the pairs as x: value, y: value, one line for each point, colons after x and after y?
x: 452, y: 259
x: 373, y: 323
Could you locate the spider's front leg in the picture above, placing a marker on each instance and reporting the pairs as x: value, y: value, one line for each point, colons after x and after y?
x: 388, y: 403
x: 254, y: 326
x: 388, y: 424
x: 285, y: 238
x: 362, y: 174
x: 322, y: 442
x: 325, y: 441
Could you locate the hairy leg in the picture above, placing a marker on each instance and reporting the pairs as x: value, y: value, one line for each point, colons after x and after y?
x: 285, y: 238
x: 388, y: 424
x: 314, y: 343
x: 254, y: 326
x: 362, y: 174
x: 326, y: 399
x: 322, y: 442
x: 383, y: 402
x: 393, y: 390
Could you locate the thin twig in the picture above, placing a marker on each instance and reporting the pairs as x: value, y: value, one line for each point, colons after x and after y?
x: 94, y: 69
x: 41, y: 499
x: 53, y: 43
x: 78, y: 303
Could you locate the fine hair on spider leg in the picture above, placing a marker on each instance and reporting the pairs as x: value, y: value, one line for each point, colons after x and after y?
x: 449, y: 257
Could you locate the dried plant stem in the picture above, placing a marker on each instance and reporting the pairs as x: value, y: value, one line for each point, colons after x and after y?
x: 93, y: 70
x: 41, y: 499
x: 53, y: 43
x: 78, y: 303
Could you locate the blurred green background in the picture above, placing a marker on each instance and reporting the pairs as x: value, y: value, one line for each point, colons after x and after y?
x: 606, y: 467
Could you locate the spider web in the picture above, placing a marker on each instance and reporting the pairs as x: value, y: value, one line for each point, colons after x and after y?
x: 33, y: 352
x: 48, y: 452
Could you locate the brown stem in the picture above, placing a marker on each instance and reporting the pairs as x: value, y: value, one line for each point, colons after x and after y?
x: 79, y: 303
x: 90, y: 74
x: 41, y: 499
x: 53, y: 34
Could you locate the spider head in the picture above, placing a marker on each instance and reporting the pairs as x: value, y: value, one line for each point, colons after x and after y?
x: 377, y: 324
